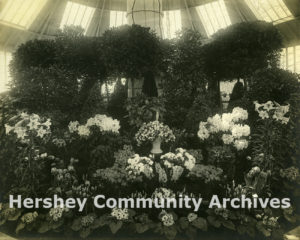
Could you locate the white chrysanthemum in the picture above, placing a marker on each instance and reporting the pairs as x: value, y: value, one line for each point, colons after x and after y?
x: 73, y: 126
x: 83, y: 131
x: 215, y: 123
x: 240, y: 144
x: 226, y: 122
x: 203, y: 132
x: 227, y: 139
x: 239, y: 114
x: 239, y: 131
x: 120, y: 214
x: 139, y: 165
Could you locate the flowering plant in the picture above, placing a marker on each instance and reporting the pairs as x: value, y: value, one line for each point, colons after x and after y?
x: 152, y: 130
x: 140, y: 165
x: 29, y: 125
x: 272, y: 110
x: 102, y: 122
x: 228, y: 124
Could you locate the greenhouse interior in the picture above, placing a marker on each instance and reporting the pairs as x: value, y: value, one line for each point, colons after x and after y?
x: 149, y: 119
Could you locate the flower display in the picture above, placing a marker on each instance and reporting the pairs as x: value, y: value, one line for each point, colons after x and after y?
x: 29, y: 217
x: 57, y: 213
x: 120, y: 214
x: 102, y: 122
x: 162, y: 193
x: 228, y: 124
x: 153, y: 130
x: 272, y: 110
x: 29, y: 124
x: 166, y: 218
x: 139, y: 165
x: 180, y: 158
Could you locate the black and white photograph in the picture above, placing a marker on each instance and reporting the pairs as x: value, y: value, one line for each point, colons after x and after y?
x: 150, y: 119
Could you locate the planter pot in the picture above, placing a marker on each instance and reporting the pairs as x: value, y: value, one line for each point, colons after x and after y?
x: 156, y: 146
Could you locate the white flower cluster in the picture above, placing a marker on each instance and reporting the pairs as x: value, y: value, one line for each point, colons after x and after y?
x: 166, y: 218
x: 140, y: 165
x: 56, y: 213
x: 152, y: 130
x: 163, y: 193
x: 104, y: 123
x: 120, y: 214
x: 29, y: 217
x: 228, y: 124
x: 29, y: 124
x: 208, y: 173
x: 180, y: 158
x: 272, y: 110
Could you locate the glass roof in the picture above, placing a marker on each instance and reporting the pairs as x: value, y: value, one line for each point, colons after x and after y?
x: 77, y: 14
x: 21, y: 13
x: 214, y: 16
x: 171, y: 23
x: 270, y: 10
x: 117, y: 18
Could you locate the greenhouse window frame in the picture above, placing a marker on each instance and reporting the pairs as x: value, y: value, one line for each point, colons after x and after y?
x: 85, y: 13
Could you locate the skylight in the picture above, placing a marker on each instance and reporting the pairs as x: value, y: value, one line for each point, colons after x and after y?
x: 290, y: 59
x: 5, y: 58
x: 78, y: 15
x: 270, y: 10
x: 171, y: 23
x: 214, y: 16
x: 117, y: 18
x: 21, y: 13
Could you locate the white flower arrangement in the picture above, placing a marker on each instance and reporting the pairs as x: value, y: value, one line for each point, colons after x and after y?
x: 139, y: 165
x: 120, y: 214
x: 233, y: 132
x: 166, y: 218
x: 163, y: 193
x: 153, y: 130
x: 29, y: 124
x: 180, y: 158
x: 272, y: 110
x: 104, y: 123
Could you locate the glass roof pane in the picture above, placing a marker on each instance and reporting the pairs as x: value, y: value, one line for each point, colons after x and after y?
x: 214, y: 16
x: 21, y: 12
x: 270, y: 10
x: 117, y: 18
x: 171, y: 23
x: 77, y: 14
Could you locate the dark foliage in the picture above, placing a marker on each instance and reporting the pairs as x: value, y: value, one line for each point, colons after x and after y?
x: 242, y: 48
x: 58, y: 74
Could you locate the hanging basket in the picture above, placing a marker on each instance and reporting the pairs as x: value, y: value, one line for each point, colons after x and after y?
x: 156, y: 146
